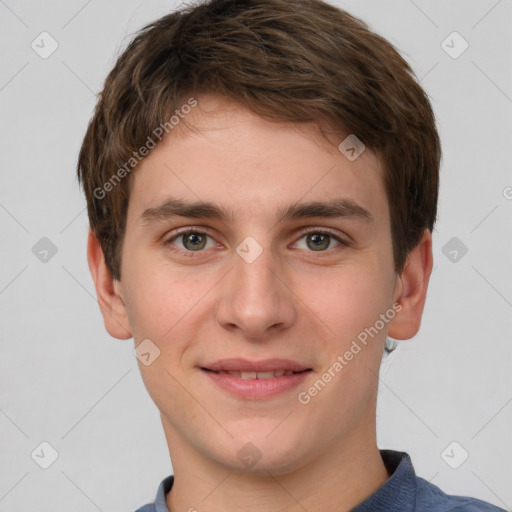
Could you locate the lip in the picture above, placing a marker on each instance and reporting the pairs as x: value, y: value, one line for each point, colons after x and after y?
x: 256, y: 389
x: 264, y: 365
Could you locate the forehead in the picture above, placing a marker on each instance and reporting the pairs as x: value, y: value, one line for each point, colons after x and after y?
x: 224, y: 154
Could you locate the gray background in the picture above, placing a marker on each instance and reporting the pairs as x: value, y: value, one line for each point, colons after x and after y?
x: 63, y: 380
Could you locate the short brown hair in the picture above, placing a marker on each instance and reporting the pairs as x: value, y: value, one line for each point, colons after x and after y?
x: 286, y: 60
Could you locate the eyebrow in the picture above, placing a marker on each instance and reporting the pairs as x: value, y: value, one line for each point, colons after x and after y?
x: 334, y: 208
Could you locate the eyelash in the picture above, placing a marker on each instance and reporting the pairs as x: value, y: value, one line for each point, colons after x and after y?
x: 187, y: 231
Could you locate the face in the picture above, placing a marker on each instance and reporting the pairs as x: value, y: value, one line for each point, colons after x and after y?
x: 258, y: 285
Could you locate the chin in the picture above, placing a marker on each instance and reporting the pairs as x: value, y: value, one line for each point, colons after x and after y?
x: 275, y: 455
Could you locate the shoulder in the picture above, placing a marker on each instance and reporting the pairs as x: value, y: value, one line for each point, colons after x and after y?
x: 150, y: 507
x: 159, y: 504
x: 429, y: 497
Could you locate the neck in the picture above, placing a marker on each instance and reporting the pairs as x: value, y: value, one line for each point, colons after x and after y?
x: 339, y: 479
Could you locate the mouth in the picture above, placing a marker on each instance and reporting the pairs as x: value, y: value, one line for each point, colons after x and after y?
x: 256, y: 380
x: 257, y: 375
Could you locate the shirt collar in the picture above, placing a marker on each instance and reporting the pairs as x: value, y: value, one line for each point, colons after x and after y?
x: 398, y: 493
x: 163, y: 489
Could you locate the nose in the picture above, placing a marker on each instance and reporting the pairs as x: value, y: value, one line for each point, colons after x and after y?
x: 256, y: 298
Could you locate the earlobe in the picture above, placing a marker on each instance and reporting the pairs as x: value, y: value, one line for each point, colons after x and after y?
x: 108, y: 291
x: 413, y: 290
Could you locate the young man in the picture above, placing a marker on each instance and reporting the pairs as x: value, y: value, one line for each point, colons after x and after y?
x: 262, y: 180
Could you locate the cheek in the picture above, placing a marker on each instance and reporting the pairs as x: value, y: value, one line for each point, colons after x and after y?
x: 346, y: 300
x: 162, y: 307
x: 168, y: 305
x: 351, y: 305
x: 157, y: 296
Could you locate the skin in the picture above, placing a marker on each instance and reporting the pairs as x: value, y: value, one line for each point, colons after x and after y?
x: 293, y: 301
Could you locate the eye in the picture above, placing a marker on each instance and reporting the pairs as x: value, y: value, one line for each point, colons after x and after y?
x: 319, y: 241
x: 193, y: 240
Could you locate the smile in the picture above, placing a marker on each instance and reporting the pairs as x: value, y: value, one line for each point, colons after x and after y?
x: 256, y: 375
x: 252, y: 385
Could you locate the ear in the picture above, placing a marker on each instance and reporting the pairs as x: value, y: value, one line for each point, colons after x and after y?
x: 108, y: 291
x: 412, y: 290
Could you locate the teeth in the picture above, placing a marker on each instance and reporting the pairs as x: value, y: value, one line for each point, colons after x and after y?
x: 264, y: 375
x: 258, y: 375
